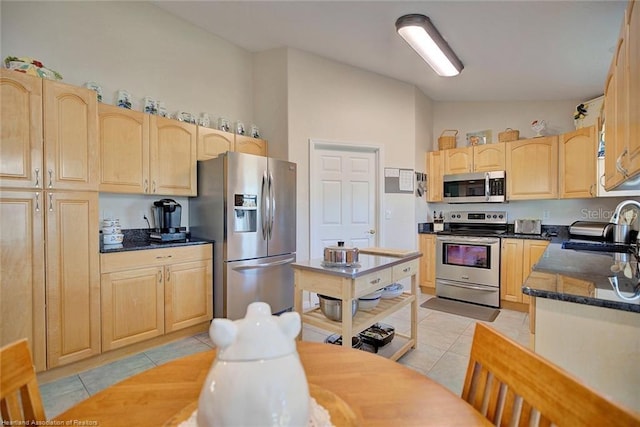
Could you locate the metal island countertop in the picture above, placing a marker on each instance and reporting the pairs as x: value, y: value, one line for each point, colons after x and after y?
x: 584, y: 277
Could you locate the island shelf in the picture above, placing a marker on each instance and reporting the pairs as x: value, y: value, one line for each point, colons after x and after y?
x: 372, y: 273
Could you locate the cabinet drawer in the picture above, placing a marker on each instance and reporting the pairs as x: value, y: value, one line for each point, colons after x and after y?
x: 153, y: 257
x: 405, y: 270
x: 371, y: 282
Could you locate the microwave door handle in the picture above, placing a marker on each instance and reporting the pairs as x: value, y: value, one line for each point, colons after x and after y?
x: 487, y: 192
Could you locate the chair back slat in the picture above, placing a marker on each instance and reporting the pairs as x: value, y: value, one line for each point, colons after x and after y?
x: 19, y: 394
x: 528, y: 390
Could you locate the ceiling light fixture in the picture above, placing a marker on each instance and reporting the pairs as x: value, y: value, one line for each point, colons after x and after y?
x: 424, y: 38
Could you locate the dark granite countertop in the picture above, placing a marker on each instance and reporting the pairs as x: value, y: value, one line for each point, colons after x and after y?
x: 366, y: 264
x: 584, y: 277
x: 138, y: 240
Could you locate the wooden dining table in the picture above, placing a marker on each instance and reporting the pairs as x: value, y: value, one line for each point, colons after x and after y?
x: 378, y: 391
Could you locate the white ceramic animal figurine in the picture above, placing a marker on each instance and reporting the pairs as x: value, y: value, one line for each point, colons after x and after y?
x: 257, y: 378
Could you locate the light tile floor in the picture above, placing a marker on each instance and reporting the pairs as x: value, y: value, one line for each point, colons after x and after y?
x: 444, y: 343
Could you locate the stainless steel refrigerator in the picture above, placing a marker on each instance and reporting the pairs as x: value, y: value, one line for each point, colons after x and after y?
x: 247, y: 204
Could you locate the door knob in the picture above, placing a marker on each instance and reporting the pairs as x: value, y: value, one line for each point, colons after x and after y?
x: 372, y: 231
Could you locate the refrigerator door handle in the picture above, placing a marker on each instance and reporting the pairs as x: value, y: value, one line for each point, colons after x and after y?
x: 264, y: 265
x: 272, y: 206
x: 264, y: 208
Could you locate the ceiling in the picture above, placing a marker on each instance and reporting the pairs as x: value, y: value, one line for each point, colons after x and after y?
x: 512, y: 50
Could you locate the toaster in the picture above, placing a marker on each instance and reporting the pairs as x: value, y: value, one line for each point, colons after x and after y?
x: 527, y: 226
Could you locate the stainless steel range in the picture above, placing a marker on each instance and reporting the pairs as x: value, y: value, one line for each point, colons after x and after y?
x: 468, y: 257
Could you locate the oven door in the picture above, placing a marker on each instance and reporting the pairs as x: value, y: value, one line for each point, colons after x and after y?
x: 466, y: 259
x: 476, y: 294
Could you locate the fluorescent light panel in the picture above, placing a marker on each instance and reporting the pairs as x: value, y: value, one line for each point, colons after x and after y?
x: 424, y: 38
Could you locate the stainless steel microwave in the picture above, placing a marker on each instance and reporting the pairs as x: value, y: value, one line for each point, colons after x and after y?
x: 480, y: 187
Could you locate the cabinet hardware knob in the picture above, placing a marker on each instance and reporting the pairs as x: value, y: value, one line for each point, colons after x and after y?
x: 373, y: 282
x: 50, y: 178
x: 154, y: 186
x: 50, y: 202
x: 37, y: 202
x: 37, y: 177
x: 404, y: 270
x: 146, y: 186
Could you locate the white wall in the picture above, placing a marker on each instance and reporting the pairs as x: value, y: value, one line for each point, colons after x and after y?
x: 335, y: 102
x: 141, y: 48
x: 424, y: 142
x: 497, y: 116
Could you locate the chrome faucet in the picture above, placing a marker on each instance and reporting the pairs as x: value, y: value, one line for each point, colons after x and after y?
x: 616, y: 214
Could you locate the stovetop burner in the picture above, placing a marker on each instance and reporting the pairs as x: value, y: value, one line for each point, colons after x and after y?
x: 476, y: 223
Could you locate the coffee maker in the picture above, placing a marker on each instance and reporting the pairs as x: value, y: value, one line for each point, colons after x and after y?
x: 167, y: 215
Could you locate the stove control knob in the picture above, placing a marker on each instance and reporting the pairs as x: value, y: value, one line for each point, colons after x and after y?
x: 500, y: 216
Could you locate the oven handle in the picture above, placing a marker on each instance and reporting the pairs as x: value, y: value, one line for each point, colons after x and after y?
x: 475, y: 288
x: 469, y: 239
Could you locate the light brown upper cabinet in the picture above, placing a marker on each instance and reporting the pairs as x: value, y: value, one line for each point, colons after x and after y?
x: 489, y: 157
x: 633, y: 35
x: 213, y: 142
x: 532, y: 168
x: 478, y: 158
x: 458, y: 160
x: 249, y: 145
x: 435, y: 168
x: 577, y: 153
x: 48, y: 134
x: 172, y: 165
x: 622, y: 106
x: 145, y: 154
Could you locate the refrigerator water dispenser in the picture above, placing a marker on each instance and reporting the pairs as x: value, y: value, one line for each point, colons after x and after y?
x: 245, y: 213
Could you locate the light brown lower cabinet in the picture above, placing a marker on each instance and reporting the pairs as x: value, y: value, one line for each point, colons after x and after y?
x: 518, y: 259
x: 149, y: 293
x: 50, y: 259
x: 427, y: 276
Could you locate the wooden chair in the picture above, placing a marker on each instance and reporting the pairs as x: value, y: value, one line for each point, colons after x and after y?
x: 513, y: 386
x: 19, y: 394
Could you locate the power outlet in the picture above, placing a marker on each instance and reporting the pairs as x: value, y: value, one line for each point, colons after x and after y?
x: 546, y: 214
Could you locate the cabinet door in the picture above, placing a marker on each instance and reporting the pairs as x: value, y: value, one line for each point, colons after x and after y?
x: 22, y: 287
x: 435, y: 167
x: 511, y: 270
x: 577, y: 153
x: 428, y: 262
x: 633, y: 37
x: 70, y: 137
x: 458, y: 160
x: 73, y: 276
x: 622, y: 107
x: 124, y: 150
x: 246, y: 144
x: 212, y: 142
x: 20, y: 130
x: 532, y: 169
x: 612, y: 176
x: 531, y: 253
x: 489, y: 157
x: 172, y: 157
x: 188, y: 292
x: 132, y: 306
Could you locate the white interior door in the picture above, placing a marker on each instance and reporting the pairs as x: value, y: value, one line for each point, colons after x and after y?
x: 343, y: 196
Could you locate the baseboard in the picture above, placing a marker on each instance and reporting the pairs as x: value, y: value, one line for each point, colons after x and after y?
x: 113, y: 355
x: 515, y: 306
